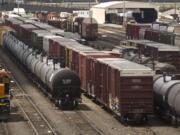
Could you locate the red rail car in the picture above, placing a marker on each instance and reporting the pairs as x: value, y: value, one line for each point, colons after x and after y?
x: 86, y: 69
x: 158, y: 51
x: 124, y: 87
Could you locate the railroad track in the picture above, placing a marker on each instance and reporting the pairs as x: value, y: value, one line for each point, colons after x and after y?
x: 114, y: 29
x: 107, y: 39
x: 39, y: 123
x: 3, y: 128
x: 36, y: 119
x: 111, y: 36
x: 81, y: 123
x: 33, y: 115
x: 75, y: 118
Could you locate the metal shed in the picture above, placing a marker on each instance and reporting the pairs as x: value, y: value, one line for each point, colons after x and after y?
x: 99, y: 11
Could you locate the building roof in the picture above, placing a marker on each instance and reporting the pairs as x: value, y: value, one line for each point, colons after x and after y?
x: 128, y: 4
x: 171, y: 11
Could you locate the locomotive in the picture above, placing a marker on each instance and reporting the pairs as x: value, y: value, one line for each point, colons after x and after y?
x: 62, y: 83
x: 4, y: 94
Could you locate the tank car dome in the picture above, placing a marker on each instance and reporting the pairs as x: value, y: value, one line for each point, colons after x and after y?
x: 165, y: 67
x: 159, y: 82
x: 64, y: 77
x: 145, y: 60
x: 129, y: 55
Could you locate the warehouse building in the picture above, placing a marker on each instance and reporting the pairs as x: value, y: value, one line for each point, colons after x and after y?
x: 100, y: 11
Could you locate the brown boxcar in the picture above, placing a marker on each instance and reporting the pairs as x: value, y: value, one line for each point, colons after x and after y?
x: 124, y: 86
x: 89, y: 29
x: 85, y: 69
x: 63, y: 43
x: 133, y: 30
x: 153, y: 35
x: 158, y: 51
x: 46, y: 44
x: 72, y: 53
x: 55, y: 23
x: 69, y: 24
x: 52, y: 16
x: 77, y: 24
x: 25, y: 31
x: 37, y: 38
x: 13, y: 23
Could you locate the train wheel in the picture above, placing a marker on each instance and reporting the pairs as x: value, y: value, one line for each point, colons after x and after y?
x: 143, y: 119
x: 75, y: 104
x: 56, y: 102
x: 123, y: 119
x: 174, y: 121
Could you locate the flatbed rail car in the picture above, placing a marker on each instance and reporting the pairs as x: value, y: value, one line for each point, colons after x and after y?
x: 4, y: 94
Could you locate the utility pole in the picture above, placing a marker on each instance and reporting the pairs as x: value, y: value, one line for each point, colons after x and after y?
x: 175, y: 8
x: 90, y: 13
x: 124, y: 8
x: 89, y: 4
x: 18, y: 6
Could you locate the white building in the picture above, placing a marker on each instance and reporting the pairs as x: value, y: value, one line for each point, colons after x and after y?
x: 99, y: 11
x: 82, y: 13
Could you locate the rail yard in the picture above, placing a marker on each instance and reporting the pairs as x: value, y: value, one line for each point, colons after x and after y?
x: 98, y: 69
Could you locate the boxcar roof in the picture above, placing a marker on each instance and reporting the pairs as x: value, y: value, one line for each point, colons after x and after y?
x: 159, y: 46
x: 127, y: 68
x: 29, y: 26
x: 163, y: 47
x: 40, y: 31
